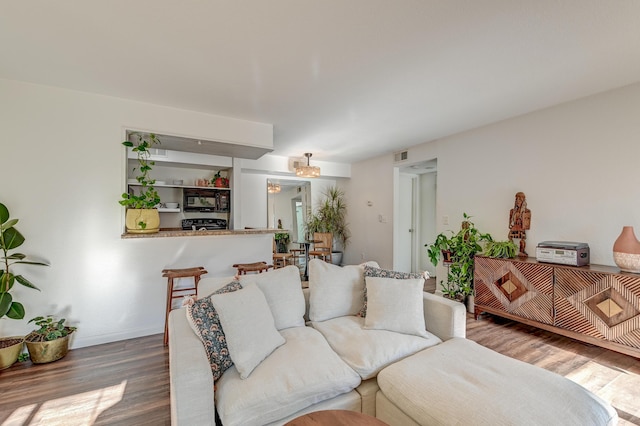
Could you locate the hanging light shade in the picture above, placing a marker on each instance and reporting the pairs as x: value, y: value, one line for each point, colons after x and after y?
x: 273, y: 188
x: 308, y: 171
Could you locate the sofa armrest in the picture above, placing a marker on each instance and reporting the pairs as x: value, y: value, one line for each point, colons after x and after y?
x: 190, y: 377
x: 443, y: 317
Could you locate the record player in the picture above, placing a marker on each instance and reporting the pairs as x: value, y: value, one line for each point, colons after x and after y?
x: 563, y: 252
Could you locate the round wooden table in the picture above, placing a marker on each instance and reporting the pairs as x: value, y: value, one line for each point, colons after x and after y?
x: 336, y: 418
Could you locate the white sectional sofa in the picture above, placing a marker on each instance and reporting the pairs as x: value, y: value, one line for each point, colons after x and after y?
x: 296, y: 351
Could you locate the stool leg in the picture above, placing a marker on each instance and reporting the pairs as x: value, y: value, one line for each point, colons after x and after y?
x: 166, y: 318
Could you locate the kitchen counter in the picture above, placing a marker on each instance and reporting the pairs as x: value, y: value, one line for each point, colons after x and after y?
x: 179, y: 232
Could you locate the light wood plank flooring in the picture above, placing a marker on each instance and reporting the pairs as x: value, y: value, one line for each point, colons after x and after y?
x: 127, y: 383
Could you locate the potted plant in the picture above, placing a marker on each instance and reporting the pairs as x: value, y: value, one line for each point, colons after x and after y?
x: 282, y: 239
x: 142, y: 214
x: 330, y: 216
x: 501, y: 249
x: 462, y: 247
x: 10, y: 239
x: 219, y: 182
x: 50, y: 341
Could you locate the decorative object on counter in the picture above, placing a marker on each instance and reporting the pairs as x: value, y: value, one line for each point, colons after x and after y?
x: 171, y: 205
x: 219, y: 182
x: 462, y: 246
x: 50, y: 341
x: 520, y: 222
x: 626, y: 251
x: 142, y: 215
x: 331, y: 216
x: 501, y: 249
x: 307, y: 171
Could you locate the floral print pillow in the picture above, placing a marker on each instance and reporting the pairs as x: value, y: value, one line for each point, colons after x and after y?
x: 370, y: 271
x: 205, y: 322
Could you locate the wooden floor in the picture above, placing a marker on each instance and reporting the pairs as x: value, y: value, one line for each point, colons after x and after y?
x: 127, y: 383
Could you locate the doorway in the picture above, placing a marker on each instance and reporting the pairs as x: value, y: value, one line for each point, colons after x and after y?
x: 415, y: 216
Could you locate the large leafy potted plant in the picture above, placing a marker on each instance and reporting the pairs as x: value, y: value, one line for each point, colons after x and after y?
x: 10, y: 239
x: 142, y: 215
x: 50, y: 341
x: 330, y: 216
x: 461, y: 246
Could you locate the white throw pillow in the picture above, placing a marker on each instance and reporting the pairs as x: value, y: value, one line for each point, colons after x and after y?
x: 335, y: 291
x: 395, y: 305
x: 248, y: 326
x: 283, y: 290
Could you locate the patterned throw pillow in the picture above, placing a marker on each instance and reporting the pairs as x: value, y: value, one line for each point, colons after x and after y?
x: 370, y: 271
x: 205, y: 322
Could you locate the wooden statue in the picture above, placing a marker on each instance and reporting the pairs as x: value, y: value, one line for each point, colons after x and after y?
x: 520, y: 222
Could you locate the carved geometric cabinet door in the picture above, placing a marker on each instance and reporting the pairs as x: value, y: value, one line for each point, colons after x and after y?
x: 520, y: 288
x: 605, y: 306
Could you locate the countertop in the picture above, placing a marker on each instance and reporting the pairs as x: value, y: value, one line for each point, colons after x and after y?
x: 179, y: 232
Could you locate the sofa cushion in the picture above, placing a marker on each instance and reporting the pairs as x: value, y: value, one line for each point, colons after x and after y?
x: 300, y: 373
x: 373, y: 271
x: 492, y: 388
x: 335, y: 291
x: 283, y: 290
x: 205, y: 323
x: 395, y: 306
x: 369, y: 351
x: 248, y: 326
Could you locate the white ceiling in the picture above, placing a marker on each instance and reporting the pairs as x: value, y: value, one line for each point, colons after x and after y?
x: 344, y: 79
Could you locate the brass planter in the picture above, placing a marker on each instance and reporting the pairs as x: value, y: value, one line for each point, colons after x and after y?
x: 10, y: 354
x: 44, y: 352
x: 150, y: 217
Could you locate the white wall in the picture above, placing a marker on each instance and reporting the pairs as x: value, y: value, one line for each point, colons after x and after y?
x: 62, y: 175
x: 577, y: 163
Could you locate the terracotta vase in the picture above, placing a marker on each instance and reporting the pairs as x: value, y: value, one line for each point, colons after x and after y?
x: 626, y: 251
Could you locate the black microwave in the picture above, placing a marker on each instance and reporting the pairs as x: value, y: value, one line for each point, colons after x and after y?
x: 206, y: 200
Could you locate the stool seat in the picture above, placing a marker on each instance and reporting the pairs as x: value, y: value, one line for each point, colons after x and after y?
x: 175, y: 293
x: 259, y: 267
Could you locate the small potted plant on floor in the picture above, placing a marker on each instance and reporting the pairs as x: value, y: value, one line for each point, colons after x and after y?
x: 142, y: 214
x: 10, y: 239
x: 50, y: 341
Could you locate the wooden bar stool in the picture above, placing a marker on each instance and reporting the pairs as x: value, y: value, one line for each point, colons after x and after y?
x: 259, y: 267
x: 172, y: 293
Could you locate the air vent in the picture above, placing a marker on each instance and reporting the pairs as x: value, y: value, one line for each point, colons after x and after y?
x: 401, y: 156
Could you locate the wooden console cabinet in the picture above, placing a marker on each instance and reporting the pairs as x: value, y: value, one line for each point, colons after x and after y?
x: 595, y: 304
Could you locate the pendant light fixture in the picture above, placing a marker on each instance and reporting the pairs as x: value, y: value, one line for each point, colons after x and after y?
x: 273, y: 188
x: 308, y: 171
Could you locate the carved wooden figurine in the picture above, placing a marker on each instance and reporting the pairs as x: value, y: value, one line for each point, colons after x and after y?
x: 520, y: 222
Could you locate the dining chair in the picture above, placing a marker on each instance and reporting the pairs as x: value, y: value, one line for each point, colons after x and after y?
x: 322, y: 246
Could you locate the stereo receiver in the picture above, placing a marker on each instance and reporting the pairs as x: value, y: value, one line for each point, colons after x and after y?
x: 563, y: 252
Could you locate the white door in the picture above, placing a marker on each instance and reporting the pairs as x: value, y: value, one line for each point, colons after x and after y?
x: 405, y: 259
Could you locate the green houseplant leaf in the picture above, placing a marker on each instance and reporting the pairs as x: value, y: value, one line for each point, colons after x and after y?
x: 10, y: 239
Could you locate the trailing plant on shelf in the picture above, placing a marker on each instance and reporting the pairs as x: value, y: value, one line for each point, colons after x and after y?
x: 148, y: 197
x: 10, y: 239
x: 501, y: 249
x: 142, y: 216
x: 461, y: 247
